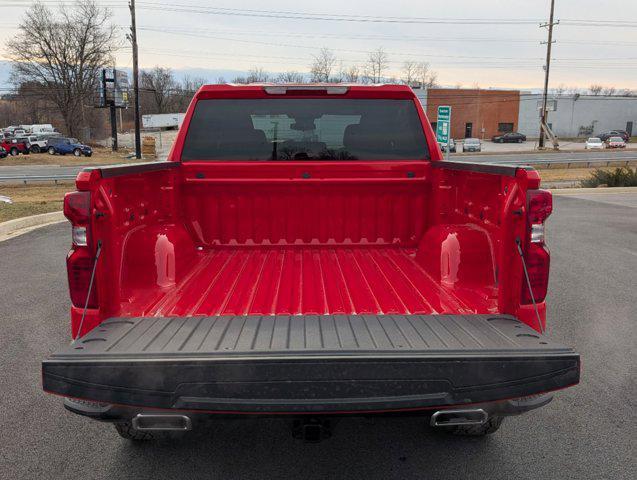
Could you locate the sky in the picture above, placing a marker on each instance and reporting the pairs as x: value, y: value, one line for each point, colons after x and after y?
x: 488, y: 43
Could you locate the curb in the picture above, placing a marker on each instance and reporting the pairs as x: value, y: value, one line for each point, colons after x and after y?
x: 19, y: 226
x: 598, y: 190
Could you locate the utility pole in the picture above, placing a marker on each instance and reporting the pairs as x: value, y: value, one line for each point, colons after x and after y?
x: 543, y: 114
x: 133, y: 39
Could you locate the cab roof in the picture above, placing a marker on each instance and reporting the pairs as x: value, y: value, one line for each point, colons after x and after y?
x: 274, y: 90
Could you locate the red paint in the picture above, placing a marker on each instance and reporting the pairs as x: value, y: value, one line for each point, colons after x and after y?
x: 20, y: 147
x: 309, y: 237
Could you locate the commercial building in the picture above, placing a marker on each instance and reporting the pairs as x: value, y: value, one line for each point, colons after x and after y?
x: 571, y: 116
x: 475, y: 112
x: 485, y: 113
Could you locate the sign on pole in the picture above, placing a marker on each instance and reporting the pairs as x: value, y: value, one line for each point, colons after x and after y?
x: 443, y: 126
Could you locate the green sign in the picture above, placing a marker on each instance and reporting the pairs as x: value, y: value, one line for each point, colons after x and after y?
x: 443, y: 124
x: 444, y: 113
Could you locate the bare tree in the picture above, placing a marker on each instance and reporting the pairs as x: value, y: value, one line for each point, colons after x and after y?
x: 322, y: 65
x: 410, y: 72
x: 627, y: 92
x: 160, y: 86
x: 351, y: 74
x: 573, y: 90
x: 185, y: 90
x: 257, y: 75
x: 609, y: 90
x: 192, y: 84
x: 290, y: 77
x: 377, y: 63
x: 595, y: 89
x: 64, y: 53
x: 559, y: 90
x: 425, y: 77
x: 339, y: 75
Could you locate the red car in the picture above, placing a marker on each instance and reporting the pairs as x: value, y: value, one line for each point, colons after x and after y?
x: 306, y: 252
x: 615, y: 142
x: 14, y: 148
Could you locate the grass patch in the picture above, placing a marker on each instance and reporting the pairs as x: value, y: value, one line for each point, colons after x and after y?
x: 568, y: 174
x: 32, y: 199
x: 101, y: 156
x: 619, y: 177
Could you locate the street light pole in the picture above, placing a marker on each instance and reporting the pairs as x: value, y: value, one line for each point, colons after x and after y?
x: 133, y: 39
x: 543, y: 114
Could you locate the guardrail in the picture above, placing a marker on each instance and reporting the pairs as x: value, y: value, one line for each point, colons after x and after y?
x: 37, y: 178
x: 544, y: 162
x: 561, y: 162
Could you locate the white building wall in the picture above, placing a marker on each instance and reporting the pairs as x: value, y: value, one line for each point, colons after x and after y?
x: 577, y: 115
x: 421, y: 93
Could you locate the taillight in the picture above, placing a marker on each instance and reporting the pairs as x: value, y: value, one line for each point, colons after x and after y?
x: 77, y: 207
x: 537, y: 256
x: 80, y: 260
x: 79, y: 265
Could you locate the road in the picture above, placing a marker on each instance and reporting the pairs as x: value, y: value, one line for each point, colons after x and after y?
x: 562, y: 157
x: 558, y: 157
x: 588, y: 432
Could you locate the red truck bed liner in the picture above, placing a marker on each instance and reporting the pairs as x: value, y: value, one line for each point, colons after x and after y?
x: 305, y: 280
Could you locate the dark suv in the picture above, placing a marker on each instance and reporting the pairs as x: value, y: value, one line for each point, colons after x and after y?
x: 613, y: 133
x: 64, y: 145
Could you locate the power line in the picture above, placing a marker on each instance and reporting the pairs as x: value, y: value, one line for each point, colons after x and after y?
x: 314, y: 48
x: 338, y: 17
x: 468, y: 64
x: 377, y: 37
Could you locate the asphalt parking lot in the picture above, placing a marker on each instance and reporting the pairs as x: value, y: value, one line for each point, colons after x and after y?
x: 587, y: 432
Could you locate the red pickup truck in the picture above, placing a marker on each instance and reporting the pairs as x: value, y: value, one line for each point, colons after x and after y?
x: 306, y: 251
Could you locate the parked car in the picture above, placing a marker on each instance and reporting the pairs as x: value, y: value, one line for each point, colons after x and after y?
x: 604, y: 136
x: 471, y: 145
x: 188, y: 314
x: 452, y: 146
x: 22, y: 139
x: 594, y: 143
x: 38, y: 143
x: 615, y: 142
x: 511, y: 137
x: 14, y: 147
x: 63, y: 145
x: 3, y: 152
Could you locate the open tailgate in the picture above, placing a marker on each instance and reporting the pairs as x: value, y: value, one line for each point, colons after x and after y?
x: 309, y: 363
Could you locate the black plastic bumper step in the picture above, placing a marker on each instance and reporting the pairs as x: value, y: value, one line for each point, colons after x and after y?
x: 326, y: 363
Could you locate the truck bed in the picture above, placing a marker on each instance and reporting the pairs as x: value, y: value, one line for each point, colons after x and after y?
x: 309, y: 280
x: 309, y: 363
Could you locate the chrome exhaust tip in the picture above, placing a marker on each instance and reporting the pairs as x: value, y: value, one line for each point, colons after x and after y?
x: 158, y: 423
x: 450, y: 418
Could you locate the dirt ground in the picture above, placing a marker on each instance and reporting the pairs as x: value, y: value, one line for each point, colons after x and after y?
x: 32, y: 199
x: 101, y: 156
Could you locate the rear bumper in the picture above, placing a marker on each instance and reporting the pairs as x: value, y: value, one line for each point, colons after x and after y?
x: 314, y: 381
x: 105, y: 412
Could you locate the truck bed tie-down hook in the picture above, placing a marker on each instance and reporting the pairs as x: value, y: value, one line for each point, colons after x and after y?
x: 90, y: 287
x: 528, y: 284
